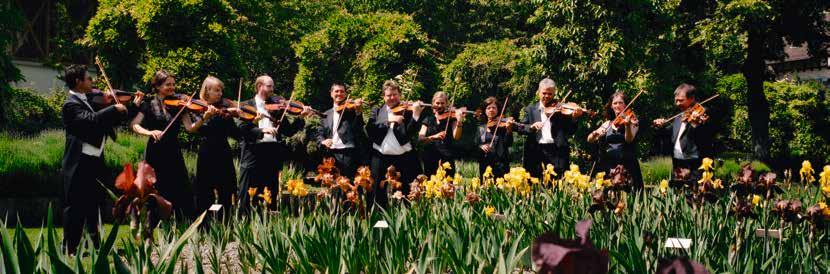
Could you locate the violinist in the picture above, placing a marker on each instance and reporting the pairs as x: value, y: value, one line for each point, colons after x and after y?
x: 438, y: 136
x: 215, y: 170
x: 264, y: 147
x: 390, y: 134
x: 691, y: 135
x: 163, y: 151
x: 548, y: 133
x: 616, y: 137
x: 341, y: 133
x: 497, y: 156
x: 86, y: 128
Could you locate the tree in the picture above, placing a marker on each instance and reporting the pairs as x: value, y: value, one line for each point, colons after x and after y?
x: 763, y: 28
x: 11, y: 20
x: 498, y: 68
x: 363, y: 51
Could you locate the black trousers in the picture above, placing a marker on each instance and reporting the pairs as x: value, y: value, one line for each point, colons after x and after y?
x: 544, y: 154
x: 263, y: 172
x: 346, y: 160
x: 407, y: 164
x: 83, y: 201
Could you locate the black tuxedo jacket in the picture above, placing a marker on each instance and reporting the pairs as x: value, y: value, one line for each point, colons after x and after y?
x: 561, y: 128
x: 378, y: 125
x: 84, y: 125
x: 350, y: 129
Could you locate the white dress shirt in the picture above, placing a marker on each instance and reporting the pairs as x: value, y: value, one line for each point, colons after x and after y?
x: 547, y: 138
x: 87, y: 148
x: 264, y: 123
x: 390, y: 145
x: 336, y: 142
x: 678, y: 149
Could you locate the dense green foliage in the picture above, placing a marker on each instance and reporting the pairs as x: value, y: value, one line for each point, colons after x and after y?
x: 364, y: 51
x: 799, y: 120
x: 26, y: 112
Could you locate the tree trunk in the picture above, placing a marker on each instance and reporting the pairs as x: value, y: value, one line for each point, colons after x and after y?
x: 756, y: 101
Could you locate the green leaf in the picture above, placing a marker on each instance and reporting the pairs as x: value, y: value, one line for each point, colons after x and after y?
x: 168, y: 261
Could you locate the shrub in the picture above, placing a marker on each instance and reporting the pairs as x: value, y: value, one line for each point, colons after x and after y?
x: 798, y: 119
x: 365, y: 50
x: 27, y: 112
x: 498, y: 69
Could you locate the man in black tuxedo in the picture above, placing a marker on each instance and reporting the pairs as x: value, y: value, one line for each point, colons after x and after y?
x: 691, y: 138
x: 391, y: 136
x: 263, y: 146
x: 547, y: 135
x: 86, y: 127
x: 341, y: 134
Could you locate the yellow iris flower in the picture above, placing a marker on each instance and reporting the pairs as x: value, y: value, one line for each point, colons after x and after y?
x: 707, y: 164
x: 664, y: 186
x: 806, y: 172
x: 488, y: 211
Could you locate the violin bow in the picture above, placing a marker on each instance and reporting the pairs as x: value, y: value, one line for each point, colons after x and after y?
x: 626, y: 107
x: 340, y: 117
x: 184, y: 106
x: 501, y: 115
x: 239, y: 107
x: 701, y: 103
x: 447, y: 127
x: 284, y: 111
x: 106, y: 79
x: 563, y: 100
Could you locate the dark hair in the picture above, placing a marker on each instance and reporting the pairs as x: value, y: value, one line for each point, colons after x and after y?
x: 609, y: 111
x: 391, y: 84
x: 686, y: 89
x: 74, y: 73
x: 337, y: 83
x: 489, y: 101
x: 159, y: 78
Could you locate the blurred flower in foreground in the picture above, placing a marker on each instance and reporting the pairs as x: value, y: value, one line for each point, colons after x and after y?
x: 552, y: 254
x: 806, y: 172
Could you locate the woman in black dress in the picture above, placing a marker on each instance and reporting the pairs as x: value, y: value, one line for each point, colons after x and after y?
x: 435, y: 133
x: 163, y: 152
x: 617, y: 144
x: 497, y: 156
x: 215, y: 173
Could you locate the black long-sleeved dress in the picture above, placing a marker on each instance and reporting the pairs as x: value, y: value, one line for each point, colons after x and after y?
x: 438, y: 151
x: 616, y: 151
x: 165, y: 156
x: 215, y: 170
x: 499, y: 156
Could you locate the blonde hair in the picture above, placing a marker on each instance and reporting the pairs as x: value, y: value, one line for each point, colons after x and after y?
x: 210, y: 80
x: 439, y: 94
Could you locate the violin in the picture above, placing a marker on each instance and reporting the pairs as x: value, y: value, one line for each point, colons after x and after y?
x: 504, y: 123
x: 696, y: 115
x: 406, y: 106
x: 627, y: 115
x: 568, y: 109
x: 293, y: 108
x: 180, y: 100
x: 348, y: 104
x: 105, y: 99
x: 450, y: 114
